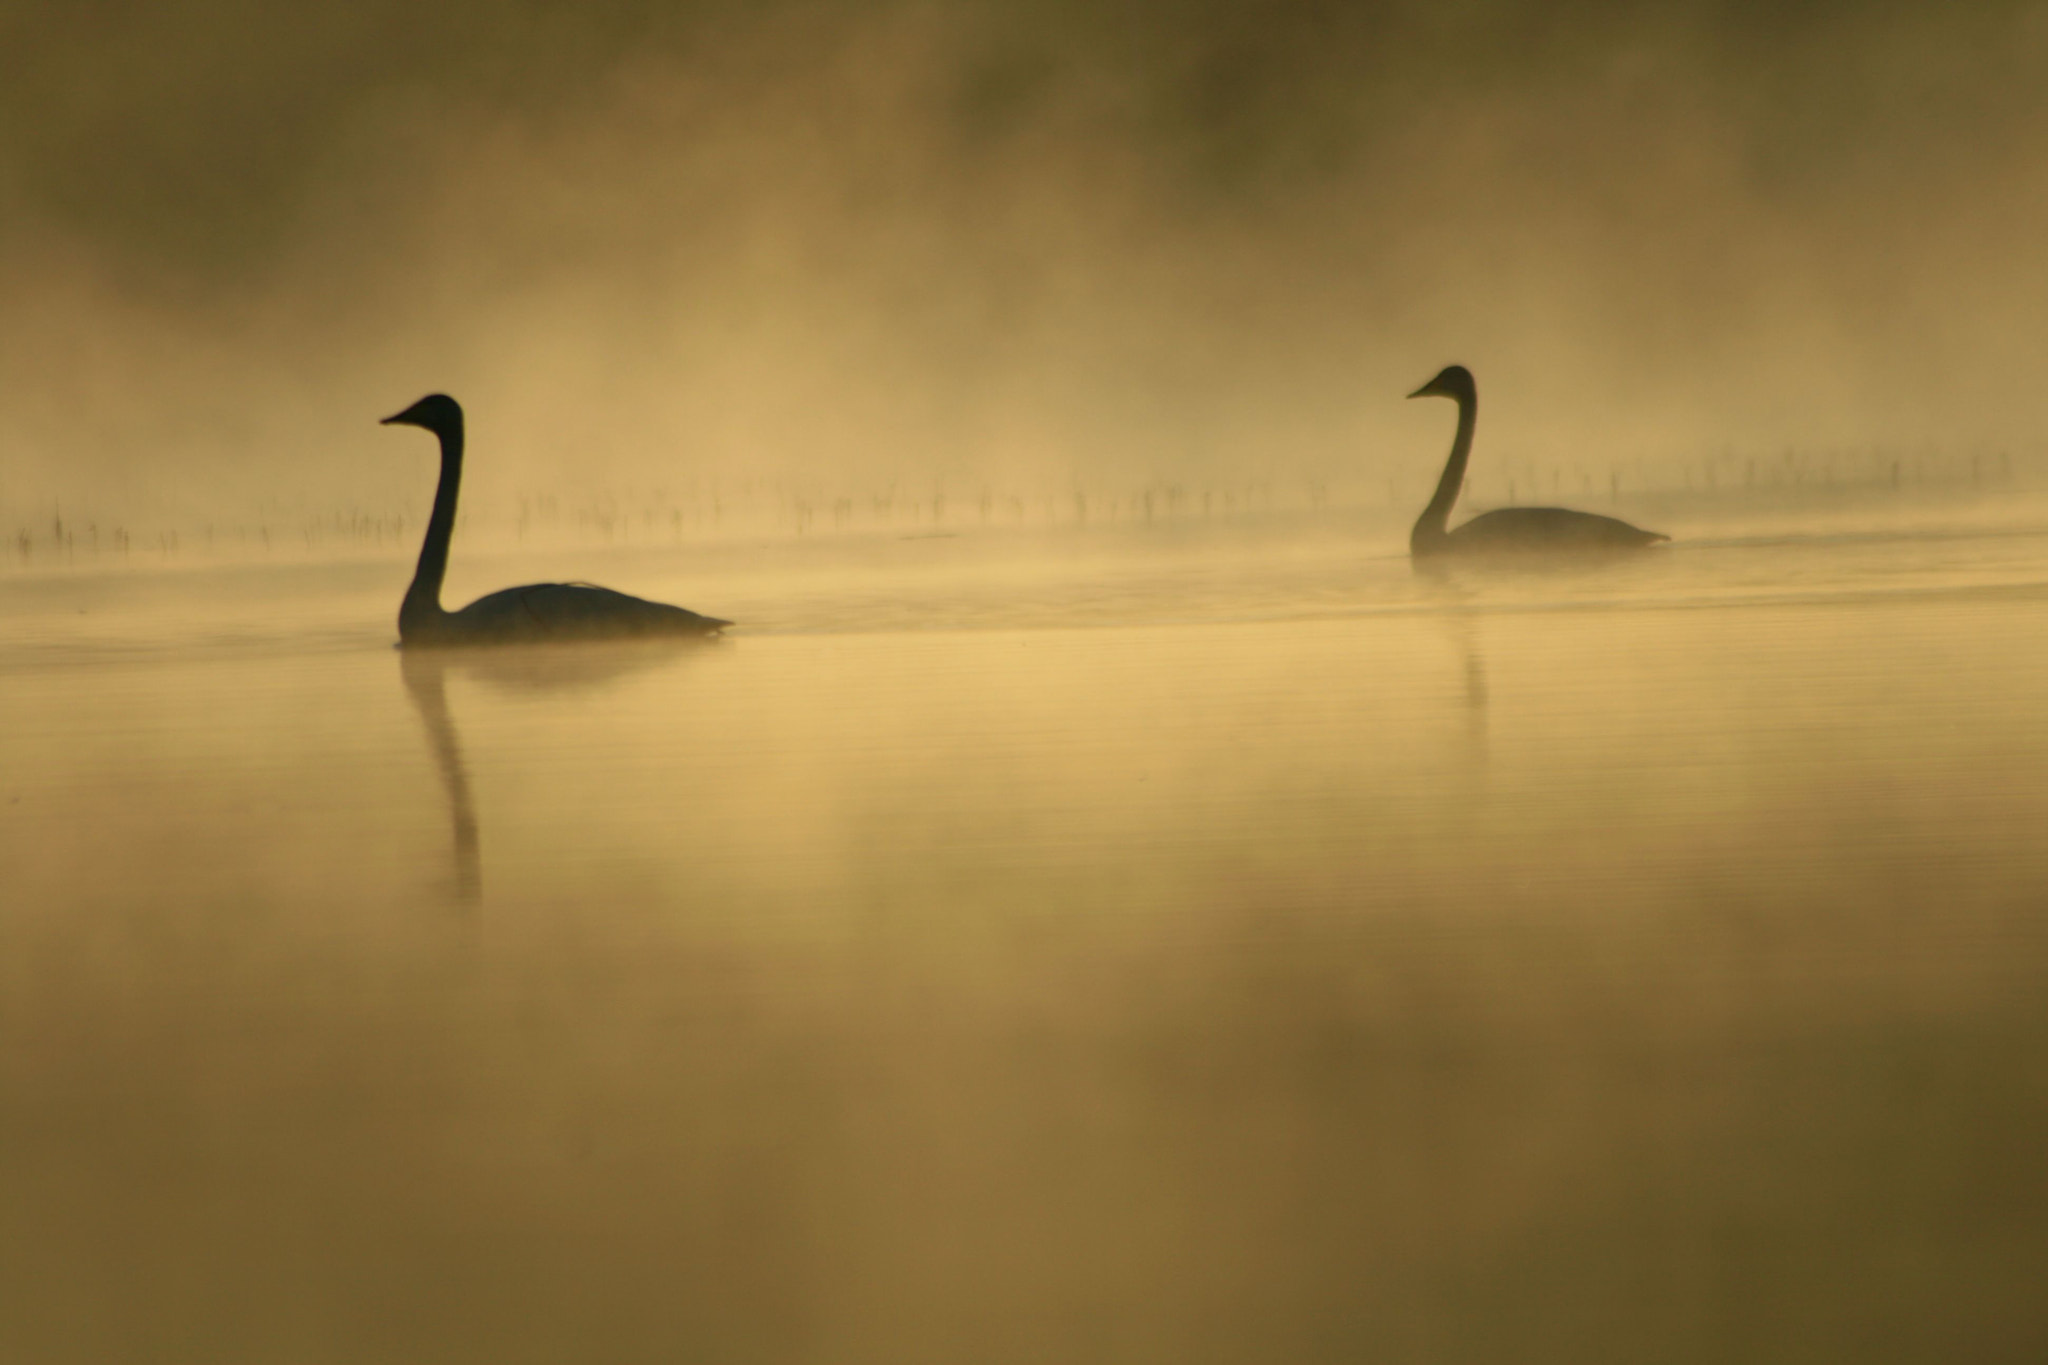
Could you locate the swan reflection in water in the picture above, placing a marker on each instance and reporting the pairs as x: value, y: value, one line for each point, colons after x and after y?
x: 530, y: 670
x: 1461, y: 616
x: 425, y: 672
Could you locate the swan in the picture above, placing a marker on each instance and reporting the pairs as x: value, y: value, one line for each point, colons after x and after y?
x: 536, y: 612
x: 1509, y: 530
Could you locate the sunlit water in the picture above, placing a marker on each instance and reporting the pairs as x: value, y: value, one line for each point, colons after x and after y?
x: 1131, y: 948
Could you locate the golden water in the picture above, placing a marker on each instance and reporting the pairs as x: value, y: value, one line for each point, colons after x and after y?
x: 1236, y: 953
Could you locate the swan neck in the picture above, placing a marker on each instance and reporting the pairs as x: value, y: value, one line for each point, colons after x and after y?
x: 1433, y: 525
x: 422, y: 605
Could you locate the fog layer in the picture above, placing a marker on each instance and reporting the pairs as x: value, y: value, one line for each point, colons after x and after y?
x: 849, y: 244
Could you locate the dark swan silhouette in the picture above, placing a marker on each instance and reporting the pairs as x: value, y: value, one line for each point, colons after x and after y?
x: 532, y: 614
x: 1508, y: 530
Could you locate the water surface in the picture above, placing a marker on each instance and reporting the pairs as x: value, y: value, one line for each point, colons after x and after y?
x: 1130, y: 948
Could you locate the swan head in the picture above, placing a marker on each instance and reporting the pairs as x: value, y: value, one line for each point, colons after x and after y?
x: 1452, y: 381
x: 437, y: 412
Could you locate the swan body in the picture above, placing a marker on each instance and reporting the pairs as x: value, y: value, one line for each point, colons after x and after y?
x: 535, y: 613
x: 1509, y: 530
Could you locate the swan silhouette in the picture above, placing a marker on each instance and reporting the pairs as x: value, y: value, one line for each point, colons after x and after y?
x: 1508, y: 530
x: 534, y: 613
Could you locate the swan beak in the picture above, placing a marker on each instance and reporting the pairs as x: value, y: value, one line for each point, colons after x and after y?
x: 396, y: 418
x: 1424, y: 392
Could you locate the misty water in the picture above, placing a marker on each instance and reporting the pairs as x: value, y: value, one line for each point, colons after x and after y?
x: 1118, y: 943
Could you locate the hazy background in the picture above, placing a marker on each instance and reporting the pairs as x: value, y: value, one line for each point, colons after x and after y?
x: 662, y: 245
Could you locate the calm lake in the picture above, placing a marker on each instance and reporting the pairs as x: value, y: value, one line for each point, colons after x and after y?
x: 1129, y: 945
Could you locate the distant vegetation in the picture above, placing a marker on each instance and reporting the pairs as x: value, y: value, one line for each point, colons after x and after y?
x: 1731, y: 486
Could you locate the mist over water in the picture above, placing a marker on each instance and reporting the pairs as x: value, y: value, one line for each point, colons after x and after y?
x: 1102, y: 902
x: 849, y: 246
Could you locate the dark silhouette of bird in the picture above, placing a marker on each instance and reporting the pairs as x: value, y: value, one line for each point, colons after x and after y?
x: 535, y: 613
x: 1508, y: 530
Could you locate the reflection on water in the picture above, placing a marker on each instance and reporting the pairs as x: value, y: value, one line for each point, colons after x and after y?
x: 425, y: 672
x: 1307, y: 963
x: 545, y: 669
x: 1460, y: 614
